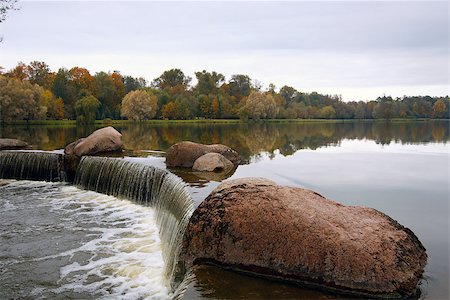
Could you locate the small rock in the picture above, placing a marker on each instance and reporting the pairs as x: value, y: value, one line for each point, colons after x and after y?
x: 13, y: 144
x: 184, y: 154
x: 211, y: 162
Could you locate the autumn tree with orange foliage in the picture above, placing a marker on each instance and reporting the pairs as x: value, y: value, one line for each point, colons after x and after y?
x: 211, y: 97
x: 440, y: 110
x: 81, y: 79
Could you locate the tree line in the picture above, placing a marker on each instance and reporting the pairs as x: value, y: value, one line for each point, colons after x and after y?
x: 34, y: 92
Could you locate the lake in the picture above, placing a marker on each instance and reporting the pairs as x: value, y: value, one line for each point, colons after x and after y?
x: 399, y: 168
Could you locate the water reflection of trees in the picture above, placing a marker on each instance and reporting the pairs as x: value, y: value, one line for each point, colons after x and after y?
x: 47, y: 137
x: 249, y: 139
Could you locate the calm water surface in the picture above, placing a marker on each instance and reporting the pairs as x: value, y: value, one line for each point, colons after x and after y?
x: 401, y: 169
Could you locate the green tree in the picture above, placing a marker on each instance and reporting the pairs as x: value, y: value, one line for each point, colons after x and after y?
x: 86, y: 109
x: 63, y: 89
x: 204, y: 105
x: 162, y: 96
x: 39, y: 73
x: 227, y: 107
x: 422, y: 108
x: 384, y: 108
x: 105, y: 91
x: 296, y: 110
x: 208, y: 83
x: 139, y: 105
x: 289, y: 94
x: 172, y: 78
x: 240, y: 86
x: 132, y: 83
x: 402, y: 109
x: 360, y: 112
x: 271, y: 89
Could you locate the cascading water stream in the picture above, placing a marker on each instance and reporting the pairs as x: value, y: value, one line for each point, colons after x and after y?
x: 149, y: 186
x: 143, y: 184
x: 32, y: 166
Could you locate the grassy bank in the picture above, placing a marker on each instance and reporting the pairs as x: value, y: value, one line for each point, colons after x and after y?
x: 106, y: 122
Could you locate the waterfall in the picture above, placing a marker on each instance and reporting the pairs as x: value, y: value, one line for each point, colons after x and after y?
x: 146, y: 185
x: 32, y: 166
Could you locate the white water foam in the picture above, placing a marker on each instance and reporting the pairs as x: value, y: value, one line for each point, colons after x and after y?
x: 122, y: 255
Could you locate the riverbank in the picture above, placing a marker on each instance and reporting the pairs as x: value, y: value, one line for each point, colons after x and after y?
x: 106, y: 122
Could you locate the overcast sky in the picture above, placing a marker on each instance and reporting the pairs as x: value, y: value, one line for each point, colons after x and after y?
x: 360, y: 50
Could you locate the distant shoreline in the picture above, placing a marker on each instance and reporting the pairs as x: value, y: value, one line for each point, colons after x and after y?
x: 211, y: 121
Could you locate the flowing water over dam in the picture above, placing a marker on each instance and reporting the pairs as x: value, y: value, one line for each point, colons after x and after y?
x: 148, y: 186
x: 32, y: 165
x: 77, y: 244
x: 115, y: 228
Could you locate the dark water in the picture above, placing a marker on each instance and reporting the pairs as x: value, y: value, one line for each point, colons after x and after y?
x: 401, y: 169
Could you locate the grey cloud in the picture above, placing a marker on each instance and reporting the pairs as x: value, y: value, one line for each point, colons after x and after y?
x: 305, y: 44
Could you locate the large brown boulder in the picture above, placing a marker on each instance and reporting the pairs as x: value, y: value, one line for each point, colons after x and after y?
x: 184, y: 154
x: 211, y: 162
x: 298, y: 235
x: 13, y: 144
x: 101, y: 141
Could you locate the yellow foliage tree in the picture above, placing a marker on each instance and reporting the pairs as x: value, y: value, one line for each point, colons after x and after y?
x: 20, y: 100
x: 54, y: 107
x: 139, y: 105
x: 259, y: 106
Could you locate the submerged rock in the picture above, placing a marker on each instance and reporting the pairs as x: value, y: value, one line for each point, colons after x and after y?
x: 13, y: 144
x: 295, y: 234
x: 184, y: 154
x: 211, y: 162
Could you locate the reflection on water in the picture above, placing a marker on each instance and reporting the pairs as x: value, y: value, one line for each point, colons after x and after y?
x: 214, y: 283
x: 200, y: 179
x: 249, y: 139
